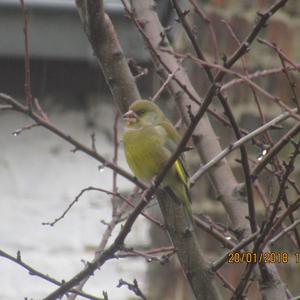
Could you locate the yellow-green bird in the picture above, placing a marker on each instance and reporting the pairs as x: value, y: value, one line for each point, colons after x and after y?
x: 149, y: 141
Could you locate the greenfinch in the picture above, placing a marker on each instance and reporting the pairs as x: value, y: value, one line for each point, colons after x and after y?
x: 149, y: 141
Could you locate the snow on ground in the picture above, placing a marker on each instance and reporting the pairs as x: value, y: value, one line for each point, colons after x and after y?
x: 39, y: 177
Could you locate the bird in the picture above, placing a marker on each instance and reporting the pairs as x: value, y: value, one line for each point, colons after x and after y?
x: 149, y: 140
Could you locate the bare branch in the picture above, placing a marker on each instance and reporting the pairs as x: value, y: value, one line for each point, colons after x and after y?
x: 268, y: 229
x: 161, y: 89
x: 283, y: 232
x: 237, y: 144
x: 224, y: 71
x: 114, y: 194
x: 226, y: 283
x: 202, y: 14
x: 105, y: 255
x: 284, y: 59
x: 224, y: 258
x: 257, y: 74
x: 28, y: 127
x: 27, y: 85
x: 150, y: 255
x: 149, y: 26
x: 132, y: 287
x: 78, y: 146
x: 115, y: 161
x: 275, y: 150
x: 39, y: 274
x: 226, y: 240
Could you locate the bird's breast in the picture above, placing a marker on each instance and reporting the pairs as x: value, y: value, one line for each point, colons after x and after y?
x: 145, y: 152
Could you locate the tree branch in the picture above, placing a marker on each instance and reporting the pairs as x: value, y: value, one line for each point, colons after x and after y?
x: 236, y: 144
x: 104, y: 41
x: 204, y: 138
x: 18, y: 260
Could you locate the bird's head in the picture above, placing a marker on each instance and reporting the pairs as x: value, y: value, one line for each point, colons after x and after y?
x: 143, y: 113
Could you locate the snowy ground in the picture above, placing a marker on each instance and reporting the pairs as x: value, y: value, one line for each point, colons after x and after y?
x: 39, y: 177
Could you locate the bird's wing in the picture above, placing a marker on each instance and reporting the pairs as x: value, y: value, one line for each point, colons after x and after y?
x: 171, y: 142
x: 171, y: 132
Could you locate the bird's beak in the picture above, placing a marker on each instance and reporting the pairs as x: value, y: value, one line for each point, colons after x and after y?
x: 130, y: 117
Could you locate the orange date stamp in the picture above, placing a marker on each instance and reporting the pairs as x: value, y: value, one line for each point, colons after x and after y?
x: 264, y: 257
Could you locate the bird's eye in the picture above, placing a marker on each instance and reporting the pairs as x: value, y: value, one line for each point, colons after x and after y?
x: 141, y: 112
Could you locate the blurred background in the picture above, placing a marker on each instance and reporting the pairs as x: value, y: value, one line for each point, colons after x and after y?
x: 40, y: 176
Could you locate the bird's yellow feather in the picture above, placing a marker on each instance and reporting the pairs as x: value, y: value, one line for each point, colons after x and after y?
x: 150, y: 139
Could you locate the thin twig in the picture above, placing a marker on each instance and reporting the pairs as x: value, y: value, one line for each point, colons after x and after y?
x: 40, y: 110
x: 224, y: 70
x: 237, y: 144
x: 28, y: 127
x: 18, y: 260
x: 114, y: 194
x: 226, y: 240
x: 275, y: 150
x: 202, y: 14
x: 115, y: 161
x: 162, y: 255
x: 132, y: 287
x: 268, y: 229
x: 27, y: 85
x: 244, y: 64
x: 257, y: 74
x: 224, y: 258
x: 78, y: 146
x: 103, y: 242
x: 283, y: 59
x: 225, y: 282
x: 283, y: 232
x: 169, y: 78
